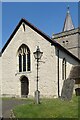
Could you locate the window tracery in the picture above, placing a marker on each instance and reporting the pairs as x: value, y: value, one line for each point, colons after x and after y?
x: 24, y: 58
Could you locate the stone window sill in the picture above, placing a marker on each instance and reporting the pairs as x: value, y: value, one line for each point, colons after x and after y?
x: 27, y: 72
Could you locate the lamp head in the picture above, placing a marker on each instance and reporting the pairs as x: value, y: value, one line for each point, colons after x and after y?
x: 38, y: 53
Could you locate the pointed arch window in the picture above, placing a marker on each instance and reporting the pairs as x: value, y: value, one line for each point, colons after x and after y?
x: 64, y: 69
x: 24, y: 58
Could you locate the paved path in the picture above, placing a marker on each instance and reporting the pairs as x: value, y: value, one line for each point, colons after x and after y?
x: 8, y: 105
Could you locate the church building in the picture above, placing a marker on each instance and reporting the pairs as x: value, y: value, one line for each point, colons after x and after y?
x: 18, y: 66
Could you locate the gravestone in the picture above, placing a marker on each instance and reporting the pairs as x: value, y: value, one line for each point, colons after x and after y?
x: 67, y: 89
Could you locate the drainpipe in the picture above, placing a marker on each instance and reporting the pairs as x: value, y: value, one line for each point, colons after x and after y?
x: 58, y: 72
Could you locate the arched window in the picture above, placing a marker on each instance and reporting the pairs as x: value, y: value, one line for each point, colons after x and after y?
x: 64, y: 69
x: 24, y: 58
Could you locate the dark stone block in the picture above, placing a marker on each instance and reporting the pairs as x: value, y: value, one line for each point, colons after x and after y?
x: 67, y: 89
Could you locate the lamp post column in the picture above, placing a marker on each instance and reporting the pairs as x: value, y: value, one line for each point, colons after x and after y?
x: 37, y: 93
x: 37, y: 55
x: 37, y: 74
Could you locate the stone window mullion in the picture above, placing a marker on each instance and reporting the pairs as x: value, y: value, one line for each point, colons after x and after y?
x: 26, y: 57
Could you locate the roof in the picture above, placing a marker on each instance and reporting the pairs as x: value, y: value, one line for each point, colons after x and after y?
x: 39, y: 32
x: 68, y: 24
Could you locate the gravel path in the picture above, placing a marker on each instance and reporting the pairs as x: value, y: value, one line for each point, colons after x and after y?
x: 8, y: 105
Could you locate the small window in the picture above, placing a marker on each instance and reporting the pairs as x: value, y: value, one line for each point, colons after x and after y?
x: 63, y: 41
x: 67, y: 41
x: 24, y: 27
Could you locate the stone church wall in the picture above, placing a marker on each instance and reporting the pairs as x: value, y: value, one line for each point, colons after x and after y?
x: 69, y: 63
x: 11, y: 78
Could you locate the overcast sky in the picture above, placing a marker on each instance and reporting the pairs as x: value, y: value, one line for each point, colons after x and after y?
x: 47, y: 16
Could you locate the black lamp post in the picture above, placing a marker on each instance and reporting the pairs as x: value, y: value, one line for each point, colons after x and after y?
x: 37, y: 55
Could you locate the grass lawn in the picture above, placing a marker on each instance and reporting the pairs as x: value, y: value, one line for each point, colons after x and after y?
x: 49, y: 108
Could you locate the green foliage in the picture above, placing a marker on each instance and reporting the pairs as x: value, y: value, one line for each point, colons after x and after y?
x: 49, y: 108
